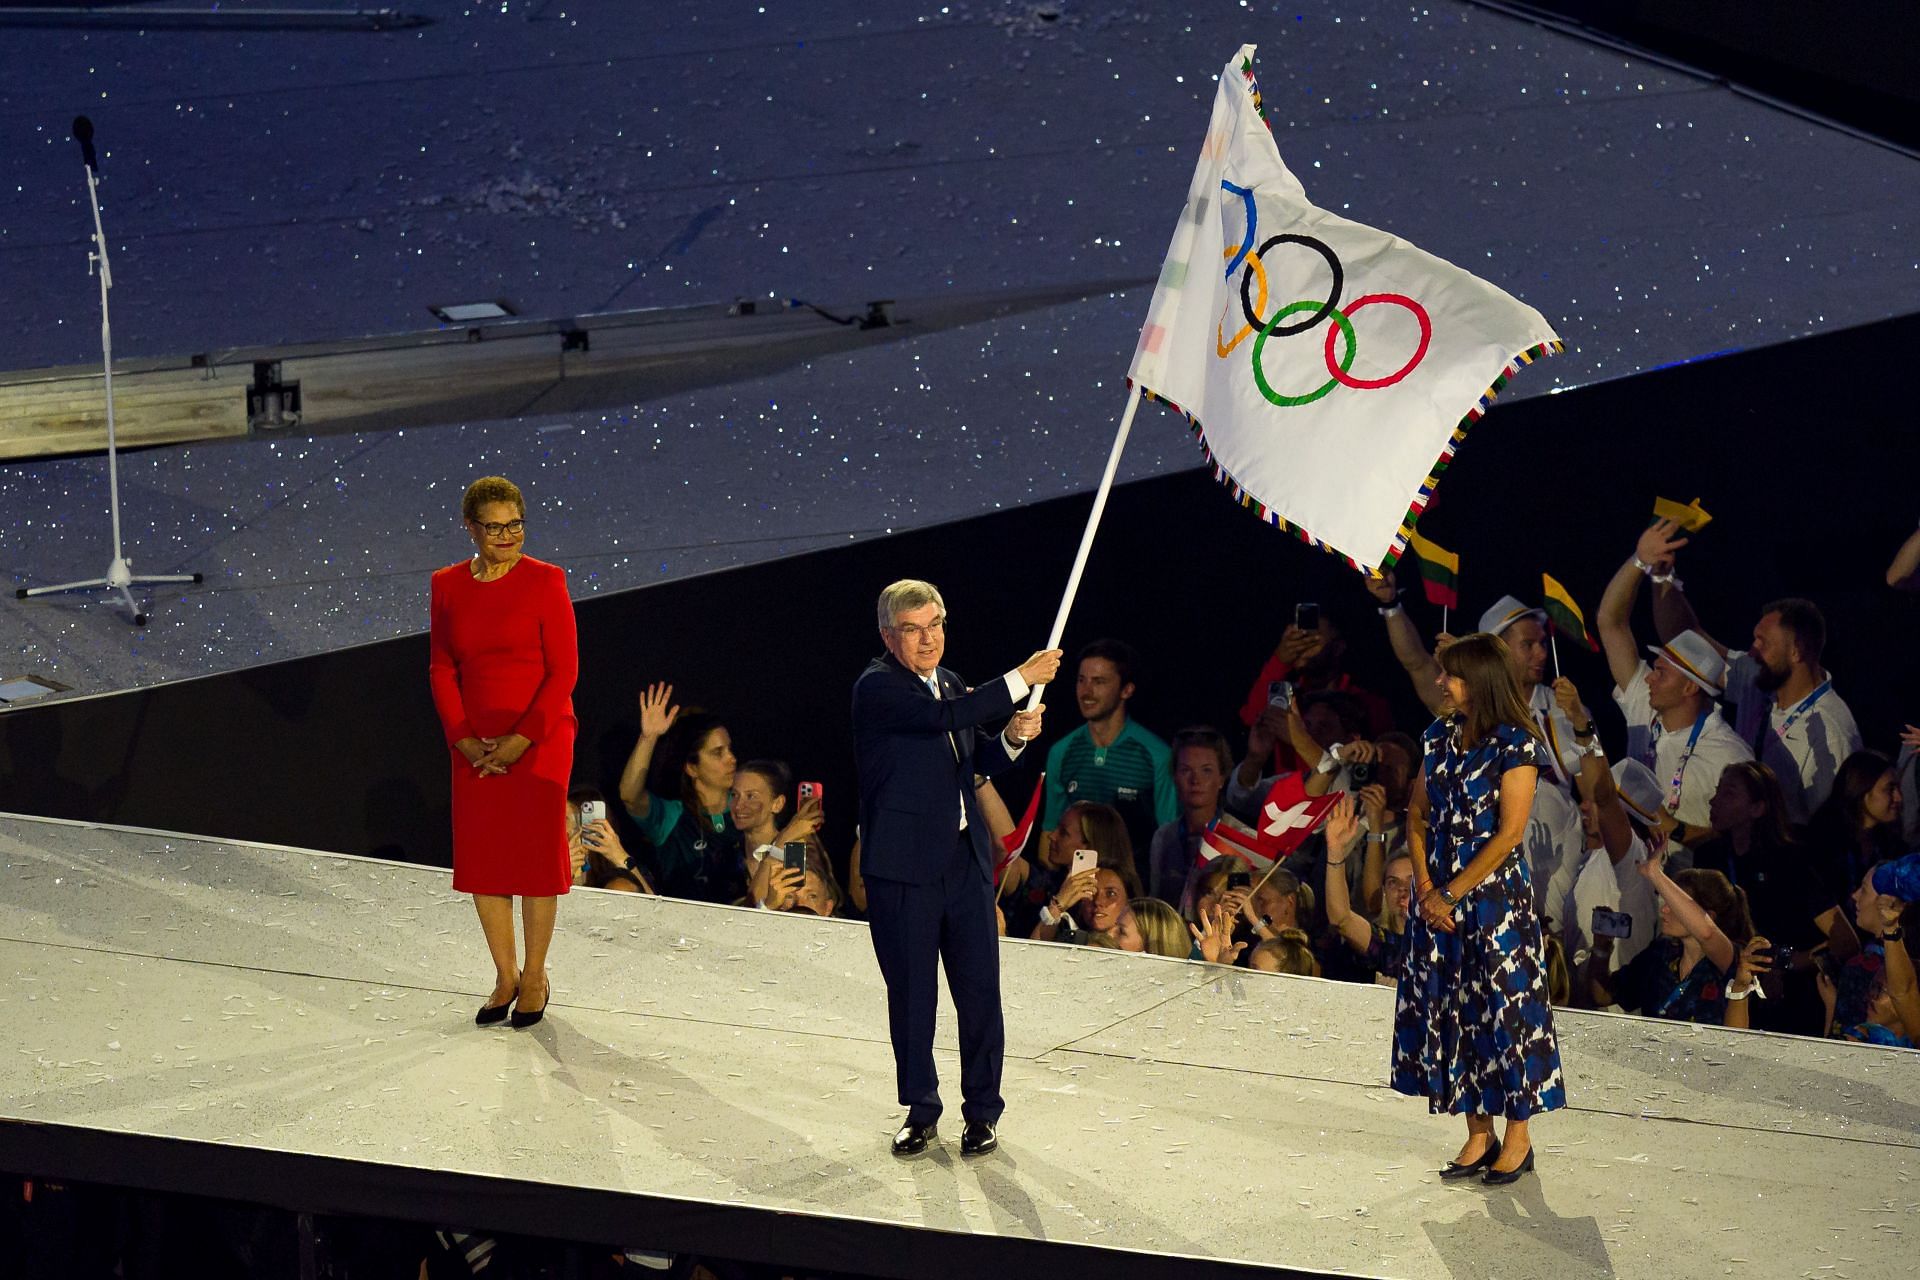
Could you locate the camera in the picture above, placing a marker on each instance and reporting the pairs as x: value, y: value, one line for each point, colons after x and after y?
x: 1280, y: 694
x: 1239, y: 878
x: 1306, y: 616
x: 1360, y: 773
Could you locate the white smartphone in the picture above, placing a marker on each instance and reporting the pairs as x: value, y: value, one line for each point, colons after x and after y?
x: 592, y: 811
x: 1083, y: 860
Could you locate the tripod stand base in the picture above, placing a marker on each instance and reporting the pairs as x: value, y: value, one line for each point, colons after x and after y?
x: 119, y: 578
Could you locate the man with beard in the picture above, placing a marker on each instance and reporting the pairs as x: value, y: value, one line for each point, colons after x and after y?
x: 1784, y: 702
x: 1553, y: 829
x: 1673, y: 726
x: 1111, y: 759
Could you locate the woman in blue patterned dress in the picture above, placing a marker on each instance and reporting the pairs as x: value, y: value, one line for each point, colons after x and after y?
x: 1472, y: 1025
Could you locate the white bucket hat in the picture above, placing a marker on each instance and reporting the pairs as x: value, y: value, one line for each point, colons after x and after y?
x: 1695, y: 659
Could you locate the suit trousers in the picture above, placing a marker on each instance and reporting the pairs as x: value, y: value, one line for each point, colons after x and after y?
x: 948, y: 920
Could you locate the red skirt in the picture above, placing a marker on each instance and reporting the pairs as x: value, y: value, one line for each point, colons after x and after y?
x: 510, y: 830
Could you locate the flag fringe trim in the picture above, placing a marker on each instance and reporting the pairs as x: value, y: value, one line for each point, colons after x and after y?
x: 1421, y: 498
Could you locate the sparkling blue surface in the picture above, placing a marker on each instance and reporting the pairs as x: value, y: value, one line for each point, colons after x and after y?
x: 284, y: 185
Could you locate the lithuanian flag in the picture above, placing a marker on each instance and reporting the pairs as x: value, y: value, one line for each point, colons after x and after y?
x: 1564, y: 613
x: 1439, y: 571
x: 1692, y: 518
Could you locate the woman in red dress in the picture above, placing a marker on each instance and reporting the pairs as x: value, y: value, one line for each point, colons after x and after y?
x: 502, y: 668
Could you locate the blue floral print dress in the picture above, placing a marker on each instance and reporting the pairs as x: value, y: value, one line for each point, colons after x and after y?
x: 1472, y: 1025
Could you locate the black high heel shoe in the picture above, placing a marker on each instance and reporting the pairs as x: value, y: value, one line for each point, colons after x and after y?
x: 522, y: 1020
x: 1493, y: 1179
x: 1455, y: 1170
x: 492, y: 1013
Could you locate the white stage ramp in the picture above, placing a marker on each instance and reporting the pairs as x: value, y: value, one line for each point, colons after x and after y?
x: 295, y: 1028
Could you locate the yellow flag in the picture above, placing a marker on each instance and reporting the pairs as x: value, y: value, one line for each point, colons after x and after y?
x: 1692, y: 517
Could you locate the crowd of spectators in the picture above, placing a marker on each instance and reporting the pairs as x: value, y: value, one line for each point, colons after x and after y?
x: 1721, y: 870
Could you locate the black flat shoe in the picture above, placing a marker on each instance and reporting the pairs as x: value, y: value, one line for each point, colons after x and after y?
x: 1493, y: 1179
x: 978, y: 1138
x: 522, y: 1020
x: 492, y: 1013
x: 914, y: 1138
x: 1455, y: 1170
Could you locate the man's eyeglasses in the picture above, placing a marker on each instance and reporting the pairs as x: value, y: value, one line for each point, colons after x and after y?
x: 514, y: 527
x: 912, y: 631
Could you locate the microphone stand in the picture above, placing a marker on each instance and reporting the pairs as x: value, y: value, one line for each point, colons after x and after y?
x: 120, y: 576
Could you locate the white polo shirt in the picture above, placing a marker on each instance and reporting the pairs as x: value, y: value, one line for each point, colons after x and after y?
x: 1803, y: 744
x: 1667, y: 753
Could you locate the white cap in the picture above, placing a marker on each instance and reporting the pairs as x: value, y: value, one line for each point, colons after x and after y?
x: 1639, y: 790
x: 1695, y: 659
x: 1505, y: 612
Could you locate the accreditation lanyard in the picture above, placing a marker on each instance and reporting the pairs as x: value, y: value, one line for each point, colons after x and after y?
x: 1680, y: 772
x: 1793, y: 716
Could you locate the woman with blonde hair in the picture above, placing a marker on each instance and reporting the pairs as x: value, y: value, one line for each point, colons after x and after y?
x: 1162, y: 928
x: 1473, y: 1026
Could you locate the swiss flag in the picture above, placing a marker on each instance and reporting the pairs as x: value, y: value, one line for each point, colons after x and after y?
x: 1287, y: 817
x: 1014, y: 843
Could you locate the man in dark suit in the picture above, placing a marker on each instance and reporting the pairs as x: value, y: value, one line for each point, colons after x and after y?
x: 924, y: 852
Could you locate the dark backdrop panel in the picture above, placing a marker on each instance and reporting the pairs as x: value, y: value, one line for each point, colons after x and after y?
x: 1852, y: 63
x: 1802, y: 452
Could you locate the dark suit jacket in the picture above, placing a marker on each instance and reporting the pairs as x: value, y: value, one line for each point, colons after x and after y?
x: 917, y: 756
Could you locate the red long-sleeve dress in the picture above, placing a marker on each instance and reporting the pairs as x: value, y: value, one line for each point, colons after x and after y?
x: 504, y: 660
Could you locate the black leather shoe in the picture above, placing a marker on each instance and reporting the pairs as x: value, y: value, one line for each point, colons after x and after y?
x: 492, y: 1013
x: 1493, y: 1179
x: 1454, y: 1170
x: 914, y: 1138
x: 978, y: 1138
x: 522, y: 1019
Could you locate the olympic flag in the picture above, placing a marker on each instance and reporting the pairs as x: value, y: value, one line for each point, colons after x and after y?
x: 1329, y: 369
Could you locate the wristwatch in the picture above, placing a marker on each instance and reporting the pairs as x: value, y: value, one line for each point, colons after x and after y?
x: 1896, y: 934
x: 1387, y: 611
x: 1446, y: 897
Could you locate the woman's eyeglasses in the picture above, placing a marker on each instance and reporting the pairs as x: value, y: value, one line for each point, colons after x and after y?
x: 514, y: 527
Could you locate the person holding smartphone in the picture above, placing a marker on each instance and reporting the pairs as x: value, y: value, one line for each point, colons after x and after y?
x: 599, y: 860
x: 1473, y: 1024
x: 926, y: 853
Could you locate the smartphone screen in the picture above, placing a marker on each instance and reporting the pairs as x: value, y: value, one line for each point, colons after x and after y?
x: 1611, y: 924
x: 1280, y: 694
x: 1306, y: 616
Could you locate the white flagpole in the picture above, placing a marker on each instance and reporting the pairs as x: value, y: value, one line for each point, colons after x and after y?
x: 1086, y: 538
x: 1553, y: 642
x: 1443, y: 620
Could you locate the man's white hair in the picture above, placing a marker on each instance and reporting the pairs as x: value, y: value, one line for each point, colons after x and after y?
x: 905, y: 595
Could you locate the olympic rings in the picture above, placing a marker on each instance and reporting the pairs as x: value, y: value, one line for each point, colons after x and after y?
x: 1419, y: 354
x: 1340, y: 324
x: 1321, y: 311
x: 1253, y: 273
x: 1221, y: 346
